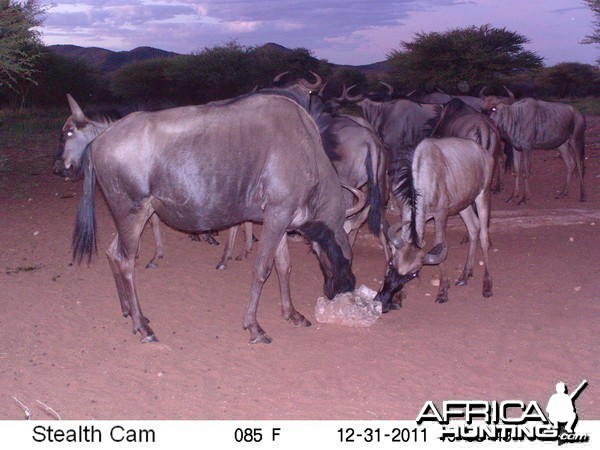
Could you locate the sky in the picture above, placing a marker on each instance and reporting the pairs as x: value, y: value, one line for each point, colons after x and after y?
x: 351, y: 32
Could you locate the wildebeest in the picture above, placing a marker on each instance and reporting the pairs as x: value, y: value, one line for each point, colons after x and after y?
x: 491, y: 101
x: 442, y: 98
x: 255, y: 158
x: 79, y: 130
x: 457, y: 119
x: 528, y: 123
x: 355, y: 151
x: 359, y: 158
x: 400, y: 122
x: 438, y: 179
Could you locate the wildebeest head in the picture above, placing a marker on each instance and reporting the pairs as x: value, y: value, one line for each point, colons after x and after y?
x: 491, y: 102
x: 405, y: 263
x: 77, y: 132
x: 408, y: 257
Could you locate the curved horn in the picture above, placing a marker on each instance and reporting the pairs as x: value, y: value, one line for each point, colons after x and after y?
x: 510, y: 94
x: 314, y: 85
x: 278, y: 77
x: 76, y: 111
x: 436, y: 255
x: 322, y: 90
x: 356, y: 98
x: 360, y: 204
x: 341, y: 98
x: 482, y: 92
x: 393, y: 233
x: 390, y: 88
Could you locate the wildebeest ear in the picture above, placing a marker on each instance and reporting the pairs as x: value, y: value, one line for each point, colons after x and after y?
x: 437, y: 254
x: 76, y: 111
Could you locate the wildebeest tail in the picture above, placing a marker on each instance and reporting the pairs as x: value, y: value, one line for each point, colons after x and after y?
x: 403, y: 184
x: 84, y: 234
x: 375, y: 209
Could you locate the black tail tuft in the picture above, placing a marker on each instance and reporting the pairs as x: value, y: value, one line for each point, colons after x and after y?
x: 84, y: 234
x: 509, y: 163
x: 403, y: 185
x: 375, y: 207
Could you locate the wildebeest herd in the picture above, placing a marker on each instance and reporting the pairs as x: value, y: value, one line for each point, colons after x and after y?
x: 291, y: 160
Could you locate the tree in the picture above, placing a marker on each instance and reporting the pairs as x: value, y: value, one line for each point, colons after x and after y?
x: 570, y: 80
x: 465, y: 57
x: 19, y: 40
x: 594, y: 38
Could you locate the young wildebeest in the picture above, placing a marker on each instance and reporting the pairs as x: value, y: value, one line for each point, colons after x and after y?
x: 210, y: 167
x: 438, y: 179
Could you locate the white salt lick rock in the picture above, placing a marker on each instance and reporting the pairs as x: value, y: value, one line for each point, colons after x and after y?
x: 354, y: 309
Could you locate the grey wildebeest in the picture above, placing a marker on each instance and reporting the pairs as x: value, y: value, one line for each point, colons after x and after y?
x: 442, y: 98
x: 457, y: 119
x: 79, y: 130
x: 210, y: 167
x: 356, y: 152
x: 400, y: 122
x: 359, y: 158
x: 527, y: 124
x: 439, y: 178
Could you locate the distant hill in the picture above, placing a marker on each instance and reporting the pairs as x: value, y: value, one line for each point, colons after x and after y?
x: 108, y: 60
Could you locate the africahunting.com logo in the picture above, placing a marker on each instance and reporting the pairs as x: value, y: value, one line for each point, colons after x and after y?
x: 510, y: 420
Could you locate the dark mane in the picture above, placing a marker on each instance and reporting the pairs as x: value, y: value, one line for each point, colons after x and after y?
x: 430, y: 129
x: 317, y: 109
x: 403, y: 186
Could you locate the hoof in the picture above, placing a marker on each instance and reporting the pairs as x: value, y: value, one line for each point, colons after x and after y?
x: 298, y: 321
x: 151, y: 265
x: 461, y: 283
x: 261, y: 339
x: 443, y: 299
x: 221, y: 266
x: 395, y: 307
x: 487, y: 294
x: 148, y: 339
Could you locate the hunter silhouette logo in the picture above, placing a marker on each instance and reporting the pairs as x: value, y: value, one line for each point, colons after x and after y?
x: 562, y: 413
x: 509, y: 420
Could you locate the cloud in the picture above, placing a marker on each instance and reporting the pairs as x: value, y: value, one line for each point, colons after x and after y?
x: 343, y: 31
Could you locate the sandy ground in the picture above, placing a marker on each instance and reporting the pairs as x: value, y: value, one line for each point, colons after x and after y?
x: 64, y: 342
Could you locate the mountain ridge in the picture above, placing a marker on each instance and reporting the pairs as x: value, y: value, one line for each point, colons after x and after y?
x: 107, y: 61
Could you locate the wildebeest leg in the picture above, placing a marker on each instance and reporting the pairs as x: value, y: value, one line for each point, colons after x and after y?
x: 121, y: 257
x: 483, y: 208
x: 158, y: 252
x: 270, y: 238
x: 384, y: 244
x: 472, y: 222
x: 228, y: 247
x: 497, y: 175
x: 248, y: 239
x: 526, y: 169
x: 284, y: 268
x: 440, y: 237
x: 123, y: 298
x: 567, y: 157
x: 580, y: 171
x: 516, y: 174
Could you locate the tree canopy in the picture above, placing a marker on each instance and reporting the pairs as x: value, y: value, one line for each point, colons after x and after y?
x: 19, y: 40
x: 465, y: 57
